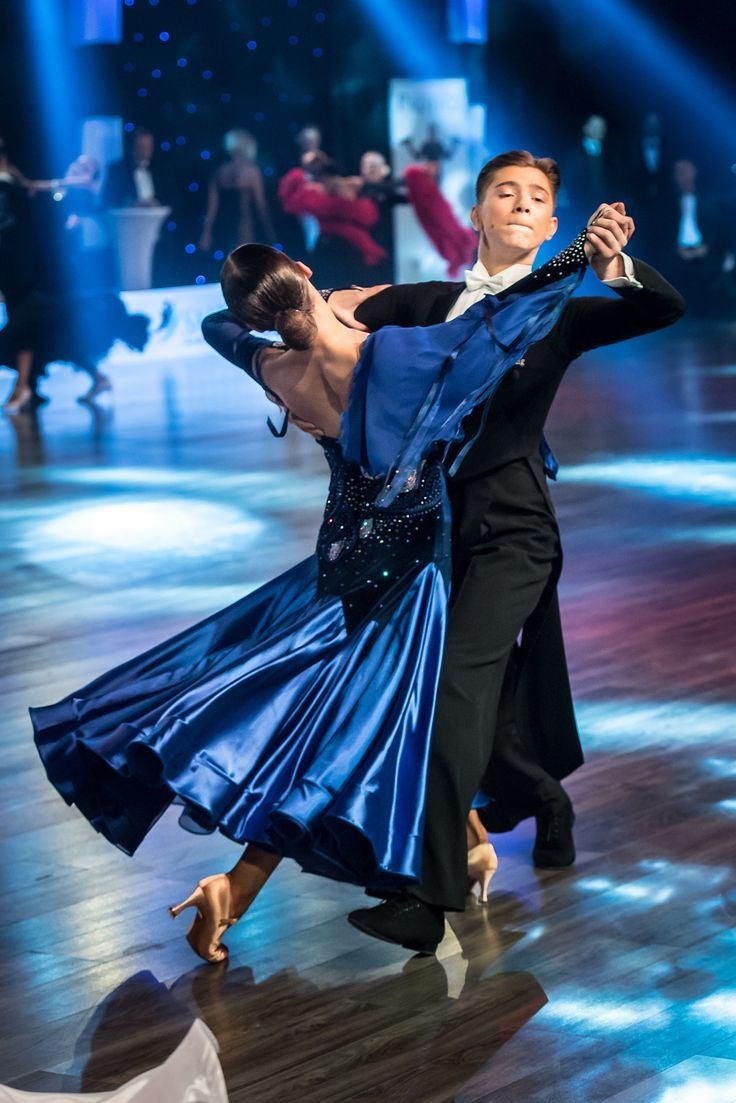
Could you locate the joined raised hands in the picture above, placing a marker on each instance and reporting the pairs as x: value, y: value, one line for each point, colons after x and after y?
x: 610, y: 229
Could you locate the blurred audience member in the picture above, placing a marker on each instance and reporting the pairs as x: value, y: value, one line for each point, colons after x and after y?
x: 17, y: 247
x: 646, y: 183
x: 433, y: 151
x: 76, y: 190
x: 376, y: 179
x: 18, y: 274
x: 691, y: 245
x: 345, y: 249
x: 309, y: 140
x: 77, y: 194
x: 457, y: 244
x: 236, y: 195
x: 649, y: 167
x: 78, y: 328
x: 138, y: 180
x: 82, y: 175
x: 587, y: 169
x: 135, y: 181
x: 8, y: 170
x: 54, y: 311
x: 695, y: 245
x: 377, y: 183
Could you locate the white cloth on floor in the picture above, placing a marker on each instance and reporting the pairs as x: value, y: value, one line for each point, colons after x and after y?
x: 192, y: 1074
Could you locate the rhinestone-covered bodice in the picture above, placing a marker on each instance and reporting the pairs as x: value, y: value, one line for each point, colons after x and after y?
x: 570, y: 259
x: 362, y: 549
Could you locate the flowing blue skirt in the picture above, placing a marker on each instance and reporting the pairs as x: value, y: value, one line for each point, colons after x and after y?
x: 271, y: 722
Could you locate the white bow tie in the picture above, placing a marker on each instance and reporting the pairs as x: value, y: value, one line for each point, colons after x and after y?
x: 489, y: 285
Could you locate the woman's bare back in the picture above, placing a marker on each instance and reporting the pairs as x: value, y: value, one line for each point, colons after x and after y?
x: 312, y: 390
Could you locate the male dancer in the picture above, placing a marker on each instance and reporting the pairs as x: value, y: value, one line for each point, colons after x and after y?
x: 506, y: 550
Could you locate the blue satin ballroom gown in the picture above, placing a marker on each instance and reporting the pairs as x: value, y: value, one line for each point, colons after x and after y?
x: 299, y: 718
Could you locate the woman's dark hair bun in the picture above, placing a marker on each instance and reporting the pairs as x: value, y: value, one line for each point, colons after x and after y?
x: 266, y: 290
x: 296, y: 327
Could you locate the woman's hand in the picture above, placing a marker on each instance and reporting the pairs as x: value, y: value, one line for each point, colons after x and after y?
x: 610, y: 230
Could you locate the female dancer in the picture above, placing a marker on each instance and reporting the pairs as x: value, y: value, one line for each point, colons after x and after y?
x: 298, y: 720
x: 236, y: 193
x: 457, y: 244
x: 314, y: 190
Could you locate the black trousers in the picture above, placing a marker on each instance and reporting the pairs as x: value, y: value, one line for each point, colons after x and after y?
x: 505, y: 557
x: 514, y: 775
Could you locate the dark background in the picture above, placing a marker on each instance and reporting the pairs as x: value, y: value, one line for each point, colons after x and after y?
x: 545, y: 68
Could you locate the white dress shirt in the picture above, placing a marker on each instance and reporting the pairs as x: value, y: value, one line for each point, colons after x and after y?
x: 688, y: 233
x: 651, y: 149
x: 478, y: 283
x: 143, y: 182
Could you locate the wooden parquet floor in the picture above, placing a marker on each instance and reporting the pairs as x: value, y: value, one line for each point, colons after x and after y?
x: 613, y: 981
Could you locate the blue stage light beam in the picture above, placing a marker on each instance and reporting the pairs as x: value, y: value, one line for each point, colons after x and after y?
x: 416, y: 49
x: 661, y: 57
x: 95, y: 21
x: 54, y: 79
x: 467, y: 21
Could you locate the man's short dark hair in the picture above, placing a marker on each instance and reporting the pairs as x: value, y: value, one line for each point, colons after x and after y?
x: 524, y: 159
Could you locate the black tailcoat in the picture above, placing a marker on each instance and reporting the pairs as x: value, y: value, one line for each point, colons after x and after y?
x: 515, y: 419
x: 119, y: 189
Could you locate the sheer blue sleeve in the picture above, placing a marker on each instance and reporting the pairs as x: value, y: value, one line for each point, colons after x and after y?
x: 413, y: 387
x: 228, y: 337
x: 238, y: 345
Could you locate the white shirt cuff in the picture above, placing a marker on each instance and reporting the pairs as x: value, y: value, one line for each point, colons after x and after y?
x: 628, y: 279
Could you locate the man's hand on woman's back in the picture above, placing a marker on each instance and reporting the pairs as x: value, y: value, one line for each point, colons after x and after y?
x: 345, y: 302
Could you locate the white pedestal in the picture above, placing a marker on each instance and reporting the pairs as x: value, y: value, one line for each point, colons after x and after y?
x: 134, y: 232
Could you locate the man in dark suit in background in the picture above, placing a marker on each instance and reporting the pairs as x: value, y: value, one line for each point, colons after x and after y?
x: 135, y: 181
x: 504, y: 716
x: 589, y: 168
x: 647, y: 181
x: 693, y: 233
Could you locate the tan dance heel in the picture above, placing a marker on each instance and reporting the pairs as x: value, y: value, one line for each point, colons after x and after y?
x: 482, y: 864
x: 213, y: 900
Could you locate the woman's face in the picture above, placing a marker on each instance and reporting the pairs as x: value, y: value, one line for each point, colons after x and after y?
x: 307, y: 272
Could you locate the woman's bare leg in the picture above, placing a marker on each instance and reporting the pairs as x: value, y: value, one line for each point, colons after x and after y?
x: 249, y: 875
x: 222, y: 899
x: 22, y: 390
x: 474, y: 830
x: 482, y: 859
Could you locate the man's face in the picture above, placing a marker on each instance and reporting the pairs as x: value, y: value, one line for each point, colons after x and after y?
x: 373, y: 167
x: 310, y: 139
x: 652, y: 125
x: 515, y: 216
x: 685, y: 174
x: 143, y: 147
x: 595, y: 127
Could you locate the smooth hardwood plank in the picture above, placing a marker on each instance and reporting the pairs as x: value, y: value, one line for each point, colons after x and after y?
x: 612, y: 981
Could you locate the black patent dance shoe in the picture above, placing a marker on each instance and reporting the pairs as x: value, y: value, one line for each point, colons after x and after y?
x: 404, y: 920
x: 554, y: 847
